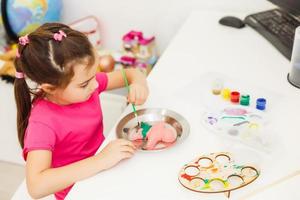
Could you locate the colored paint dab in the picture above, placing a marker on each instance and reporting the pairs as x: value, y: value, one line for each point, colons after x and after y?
x: 205, y: 187
x: 253, y: 125
x: 187, y: 177
x: 226, y: 184
x: 196, y: 182
x: 212, y: 120
x: 145, y: 128
x: 237, y: 166
x: 235, y: 111
x: 214, y: 170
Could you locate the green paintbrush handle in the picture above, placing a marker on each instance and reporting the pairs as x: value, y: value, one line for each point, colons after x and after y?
x: 125, y: 79
x: 133, y: 107
x: 127, y: 86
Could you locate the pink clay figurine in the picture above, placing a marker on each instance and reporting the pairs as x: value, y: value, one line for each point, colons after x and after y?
x: 159, y: 132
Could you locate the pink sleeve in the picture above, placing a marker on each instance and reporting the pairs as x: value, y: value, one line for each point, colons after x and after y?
x: 38, y: 136
x: 102, y: 80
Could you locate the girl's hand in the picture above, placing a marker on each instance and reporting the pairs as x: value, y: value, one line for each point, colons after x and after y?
x: 138, y: 93
x: 138, y: 88
x: 115, y: 151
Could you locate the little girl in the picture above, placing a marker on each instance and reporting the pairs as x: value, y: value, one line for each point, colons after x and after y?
x: 60, y: 124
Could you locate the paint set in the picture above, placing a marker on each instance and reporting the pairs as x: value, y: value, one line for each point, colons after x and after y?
x: 235, y: 96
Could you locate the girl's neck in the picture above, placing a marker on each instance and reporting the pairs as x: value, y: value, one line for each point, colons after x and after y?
x: 55, y: 100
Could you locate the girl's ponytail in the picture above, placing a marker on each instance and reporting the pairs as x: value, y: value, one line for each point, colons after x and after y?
x: 23, y: 103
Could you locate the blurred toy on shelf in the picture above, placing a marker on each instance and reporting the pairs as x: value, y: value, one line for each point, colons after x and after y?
x: 90, y: 26
x: 106, y: 63
x: 128, y: 61
x: 7, y: 68
x: 138, y: 51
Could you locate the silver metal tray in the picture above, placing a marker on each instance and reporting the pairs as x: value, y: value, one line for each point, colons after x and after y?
x: 151, y: 116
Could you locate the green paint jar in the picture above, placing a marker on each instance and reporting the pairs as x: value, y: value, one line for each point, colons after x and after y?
x: 245, y: 100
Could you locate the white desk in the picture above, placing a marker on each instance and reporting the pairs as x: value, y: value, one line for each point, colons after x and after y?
x: 202, y: 46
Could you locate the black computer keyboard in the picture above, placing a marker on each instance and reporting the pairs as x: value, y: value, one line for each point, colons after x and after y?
x: 277, y: 27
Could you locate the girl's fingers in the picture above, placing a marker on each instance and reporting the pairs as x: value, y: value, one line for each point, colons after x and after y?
x: 140, y: 96
x: 131, y: 146
x: 127, y: 143
x: 126, y: 155
x: 144, y: 96
x: 132, y: 95
x: 137, y: 96
x: 127, y: 149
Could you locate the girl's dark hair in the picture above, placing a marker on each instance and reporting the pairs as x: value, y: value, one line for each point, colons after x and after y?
x: 45, y: 60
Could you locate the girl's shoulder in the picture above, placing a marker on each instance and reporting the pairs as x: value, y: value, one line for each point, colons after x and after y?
x: 40, y: 105
x: 42, y: 110
x: 46, y: 114
x: 102, y: 80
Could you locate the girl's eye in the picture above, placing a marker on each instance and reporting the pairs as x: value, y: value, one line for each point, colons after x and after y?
x: 84, y: 86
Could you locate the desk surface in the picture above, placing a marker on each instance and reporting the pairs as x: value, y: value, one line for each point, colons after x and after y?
x: 203, y: 46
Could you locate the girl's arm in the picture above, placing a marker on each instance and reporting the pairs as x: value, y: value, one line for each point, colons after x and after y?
x: 115, y: 78
x: 138, y: 84
x: 43, y: 180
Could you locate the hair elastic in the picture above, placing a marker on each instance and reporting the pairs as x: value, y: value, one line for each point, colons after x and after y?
x: 19, y: 75
x: 59, y: 36
x: 24, y: 40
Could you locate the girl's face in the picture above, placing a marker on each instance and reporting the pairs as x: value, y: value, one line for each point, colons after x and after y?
x: 80, y: 88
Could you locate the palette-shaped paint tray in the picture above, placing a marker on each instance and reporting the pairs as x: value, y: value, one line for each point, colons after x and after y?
x: 216, y: 173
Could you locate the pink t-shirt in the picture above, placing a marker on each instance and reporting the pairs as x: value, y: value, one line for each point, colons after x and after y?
x: 72, y: 132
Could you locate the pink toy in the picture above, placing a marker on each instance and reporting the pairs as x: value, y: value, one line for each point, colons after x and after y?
x: 136, y: 37
x: 127, y: 60
x: 133, y: 35
x: 146, y: 41
x: 159, y: 132
x: 139, y: 51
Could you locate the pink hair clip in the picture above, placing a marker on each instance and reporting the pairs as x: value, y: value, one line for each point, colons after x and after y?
x: 23, y: 40
x: 59, y: 36
x: 19, y: 75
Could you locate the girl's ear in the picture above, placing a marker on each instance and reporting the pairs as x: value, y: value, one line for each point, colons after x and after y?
x: 48, y: 88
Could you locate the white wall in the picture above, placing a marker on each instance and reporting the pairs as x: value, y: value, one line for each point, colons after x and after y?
x: 161, y: 18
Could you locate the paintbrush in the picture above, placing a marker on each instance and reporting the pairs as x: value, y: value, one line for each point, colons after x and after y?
x: 128, y: 90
